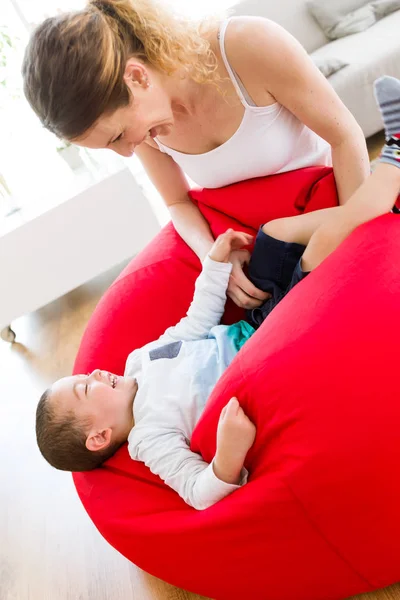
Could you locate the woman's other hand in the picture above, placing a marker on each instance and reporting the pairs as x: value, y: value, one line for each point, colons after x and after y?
x: 228, y: 247
x: 240, y: 289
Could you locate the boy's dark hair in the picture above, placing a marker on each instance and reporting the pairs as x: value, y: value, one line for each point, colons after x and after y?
x: 62, y: 441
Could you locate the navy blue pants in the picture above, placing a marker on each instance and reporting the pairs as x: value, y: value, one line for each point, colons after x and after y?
x: 274, y: 267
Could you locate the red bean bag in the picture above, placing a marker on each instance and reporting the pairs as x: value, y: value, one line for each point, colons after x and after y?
x: 319, y: 518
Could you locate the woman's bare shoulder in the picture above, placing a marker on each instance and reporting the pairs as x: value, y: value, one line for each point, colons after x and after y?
x: 249, y: 44
x: 251, y: 41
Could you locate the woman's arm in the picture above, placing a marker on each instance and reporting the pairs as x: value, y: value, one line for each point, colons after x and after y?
x: 173, y: 187
x: 171, y: 183
x: 264, y: 54
x: 350, y: 166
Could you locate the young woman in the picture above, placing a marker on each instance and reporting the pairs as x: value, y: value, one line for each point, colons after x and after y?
x: 220, y: 102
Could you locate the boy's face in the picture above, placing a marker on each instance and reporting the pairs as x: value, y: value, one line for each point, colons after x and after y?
x: 101, y: 399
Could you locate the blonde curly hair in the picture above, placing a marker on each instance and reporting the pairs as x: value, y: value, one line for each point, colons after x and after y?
x: 74, y: 64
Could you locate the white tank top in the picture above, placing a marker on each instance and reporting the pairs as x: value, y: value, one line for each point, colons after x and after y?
x: 269, y: 140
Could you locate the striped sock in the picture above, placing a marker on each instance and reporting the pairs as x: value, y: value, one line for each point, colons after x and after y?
x: 387, y: 94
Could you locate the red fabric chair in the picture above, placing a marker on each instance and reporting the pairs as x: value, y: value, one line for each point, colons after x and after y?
x: 319, y: 518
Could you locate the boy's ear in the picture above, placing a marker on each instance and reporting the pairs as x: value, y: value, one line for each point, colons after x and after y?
x: 98, y: 440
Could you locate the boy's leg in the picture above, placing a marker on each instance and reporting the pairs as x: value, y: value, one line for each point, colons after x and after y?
x: 375, y: 197
x: 279, y: 246
x: 322, y: 231
x: 278, y: 249
x: 378, y: 194
x: 271, y: 269
x: 272, y: 262
x: 299, y: 229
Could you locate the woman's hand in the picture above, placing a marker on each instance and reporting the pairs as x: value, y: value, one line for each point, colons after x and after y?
x: 228, y: 247
x: 240, y: 289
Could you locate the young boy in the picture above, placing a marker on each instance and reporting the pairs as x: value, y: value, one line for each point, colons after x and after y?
x: 82, y: 420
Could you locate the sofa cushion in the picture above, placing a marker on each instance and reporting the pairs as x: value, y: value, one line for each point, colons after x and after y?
x: 329, y: 65
x: 383, y: 8
x: 367, y: 47
x: 369, y: 54
x: 293, y: 15
x: 357, y: 21
x: 329, y: 14
x: 346, y: 18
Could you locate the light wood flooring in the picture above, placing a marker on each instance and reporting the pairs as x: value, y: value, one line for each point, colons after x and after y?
x: 49, y: 549
x: 375, y: 143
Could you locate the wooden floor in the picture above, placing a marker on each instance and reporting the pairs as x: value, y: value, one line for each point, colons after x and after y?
x: 375, y: 143
x: 49, y: 549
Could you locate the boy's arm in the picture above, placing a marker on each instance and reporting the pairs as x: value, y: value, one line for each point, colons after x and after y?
x: 167, y: 454
x: 208, y: 304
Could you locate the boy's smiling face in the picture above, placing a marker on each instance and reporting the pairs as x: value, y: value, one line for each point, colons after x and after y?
x: 102, y: 401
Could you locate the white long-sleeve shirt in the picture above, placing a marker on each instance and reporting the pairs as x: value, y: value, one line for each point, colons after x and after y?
x: 175, y: 376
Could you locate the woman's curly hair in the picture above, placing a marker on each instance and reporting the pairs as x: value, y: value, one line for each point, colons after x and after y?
x: 74, y: 64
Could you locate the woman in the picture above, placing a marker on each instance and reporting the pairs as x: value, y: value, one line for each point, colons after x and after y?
x: 220, y: 102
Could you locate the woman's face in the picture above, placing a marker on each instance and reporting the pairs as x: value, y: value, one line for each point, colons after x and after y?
x: 148, y: 114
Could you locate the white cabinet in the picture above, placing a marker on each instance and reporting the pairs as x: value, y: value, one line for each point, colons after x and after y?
x: 72, y: 242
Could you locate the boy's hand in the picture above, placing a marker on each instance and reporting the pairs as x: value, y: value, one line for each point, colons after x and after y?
x: 235, y: 436
x: 228, y: 241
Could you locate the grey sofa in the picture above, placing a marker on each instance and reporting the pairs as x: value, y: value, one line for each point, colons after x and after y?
x: 369, y: 54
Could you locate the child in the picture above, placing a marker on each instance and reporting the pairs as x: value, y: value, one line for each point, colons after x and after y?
x: 82, y: 420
